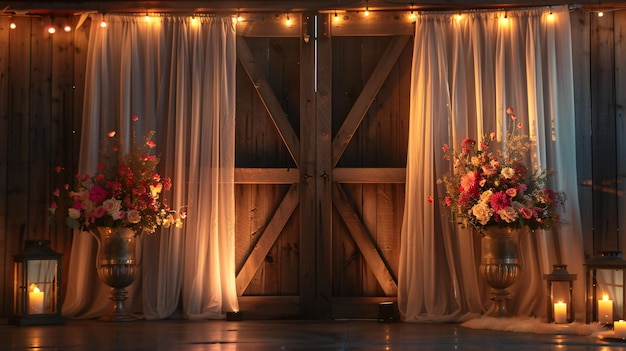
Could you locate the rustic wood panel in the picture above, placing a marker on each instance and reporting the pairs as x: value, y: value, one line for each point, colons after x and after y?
x: 258, y: 144
x: 308, y: 209
x: 603, y: 141
x: 268, y: 241
x: 266, y: 93
x: 620, y: 124
x: 18, y: 143
x: 39, y: 128
x: 323, y: 172
x: 4, y: 155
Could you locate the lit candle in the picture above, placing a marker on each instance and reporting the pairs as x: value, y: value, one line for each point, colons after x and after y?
x: 605, y: 310
x: 560, y: 312
x: 620, y: 328
x: 35, y: 301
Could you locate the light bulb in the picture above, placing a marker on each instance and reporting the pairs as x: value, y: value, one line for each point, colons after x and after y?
x: 600, y: 14
x: 288, y: 21
x: 51, y: 30
x: 67, y: 28
x: 12, y: 25
x: 103, y: 24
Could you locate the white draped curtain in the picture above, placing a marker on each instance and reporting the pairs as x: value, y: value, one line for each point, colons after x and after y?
x: 178, y: 78
x: 467, y: 70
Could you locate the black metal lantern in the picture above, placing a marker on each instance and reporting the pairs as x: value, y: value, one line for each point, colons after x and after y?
x: 560, y: 295
x: 600, y: 309
x: 37, y: 281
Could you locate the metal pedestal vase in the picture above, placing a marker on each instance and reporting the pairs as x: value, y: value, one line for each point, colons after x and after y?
x: 117, y: 267
x: 500, y: 265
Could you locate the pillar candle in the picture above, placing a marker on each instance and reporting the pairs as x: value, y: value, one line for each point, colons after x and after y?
x: 620, y: 328
x: 605, y: 310
x: 35, y: 301
x: 560, y: 312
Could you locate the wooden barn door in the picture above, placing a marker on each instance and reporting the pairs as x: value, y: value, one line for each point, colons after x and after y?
x: 321, y: 148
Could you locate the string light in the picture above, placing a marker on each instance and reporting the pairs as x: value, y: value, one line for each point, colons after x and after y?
x: 412, y: 15
x: 51, y: 28
x: 336, y: 16
x: 194, y: 21
x: 367, y: 9
x: 12, y: 25
x: 600, y: 14
x: 458, y: 17
x: 147, y: 18
x: 505, y: 19
x: 550, y: 15
x: 239, y: 18
x: 67, y: 28
x: 288, y: 21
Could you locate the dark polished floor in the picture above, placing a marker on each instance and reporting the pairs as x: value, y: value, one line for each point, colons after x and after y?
x: 245, y: 335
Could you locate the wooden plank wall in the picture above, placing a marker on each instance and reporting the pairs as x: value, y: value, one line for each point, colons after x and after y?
x: 599, y: 87
x: 259, y: 145
x: 41, y: 89
x: 380, y: 141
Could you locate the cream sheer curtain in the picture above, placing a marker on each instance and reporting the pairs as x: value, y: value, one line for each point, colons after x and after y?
x: 465, y: 74
x: 179, y: 79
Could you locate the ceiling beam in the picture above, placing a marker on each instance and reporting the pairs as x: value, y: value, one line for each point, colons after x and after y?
x: 65, y: 7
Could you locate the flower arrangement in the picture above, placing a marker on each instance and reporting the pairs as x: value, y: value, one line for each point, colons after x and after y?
x: 490, y: 185
x: 124, y: 191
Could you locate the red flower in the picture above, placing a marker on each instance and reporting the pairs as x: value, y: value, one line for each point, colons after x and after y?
x: 499, y: 201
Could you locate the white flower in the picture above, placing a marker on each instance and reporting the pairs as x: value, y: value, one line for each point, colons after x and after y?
x: 508, y: 214
x: 113, y: 207
x: 73, y: 213
x: 507, y: 172
x: 482, y: 213
x: 133, y: 216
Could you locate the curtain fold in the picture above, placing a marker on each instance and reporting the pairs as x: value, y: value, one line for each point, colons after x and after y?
x: 466, y: 71
x: 179, y: 79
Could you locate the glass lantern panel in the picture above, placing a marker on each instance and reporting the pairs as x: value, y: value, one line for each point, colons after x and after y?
x: 609, y: 285
x: 561, y: 294
x: 42, y: 286
x: 560, y: 291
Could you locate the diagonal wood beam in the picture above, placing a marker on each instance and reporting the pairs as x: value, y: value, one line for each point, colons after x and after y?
x: 269, y: 100
x: 364, y: 241
x: 364, y: 101
x: 268, y: 238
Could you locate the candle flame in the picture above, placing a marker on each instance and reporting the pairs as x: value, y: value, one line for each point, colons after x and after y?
x: 605, y: 297
x: 36, y: 290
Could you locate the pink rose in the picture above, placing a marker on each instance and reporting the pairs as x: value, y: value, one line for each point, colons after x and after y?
x: 526, y: 212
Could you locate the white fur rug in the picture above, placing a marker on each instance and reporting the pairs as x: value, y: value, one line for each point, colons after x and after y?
x: 533, y: 325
